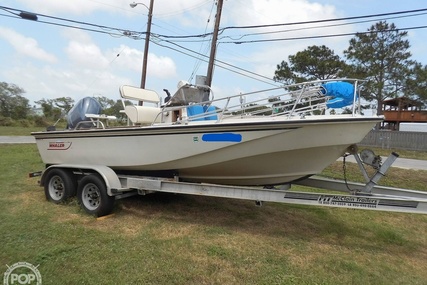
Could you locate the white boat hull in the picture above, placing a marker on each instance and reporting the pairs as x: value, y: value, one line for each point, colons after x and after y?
x: 241, y: 152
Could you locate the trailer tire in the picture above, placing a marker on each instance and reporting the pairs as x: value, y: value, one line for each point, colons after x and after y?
x: 60, y: 185
x: 93, y: 197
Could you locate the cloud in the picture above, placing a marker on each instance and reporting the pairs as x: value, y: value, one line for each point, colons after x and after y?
x: 263, y: 57
x: 161, y: 66
x: 131, y: 59
x: 82, y: 51
x: 25, y: 45
x: 76, y: 7
x: 278, y: 11
x: 52, y: 82
x: 86, y: 55
x: 162, y: 9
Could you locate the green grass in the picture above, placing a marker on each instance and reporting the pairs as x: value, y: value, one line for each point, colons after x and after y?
x: 395, y: 177
x: 26, y: 131
x: 176, y: 239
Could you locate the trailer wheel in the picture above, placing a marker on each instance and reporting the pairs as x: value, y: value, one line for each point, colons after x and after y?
x: 93, y: 197
x: 60, y: 185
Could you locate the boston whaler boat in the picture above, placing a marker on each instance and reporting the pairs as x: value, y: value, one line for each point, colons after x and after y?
x: 268, y: 137
x: 194, y: 143
x: 197, y: 144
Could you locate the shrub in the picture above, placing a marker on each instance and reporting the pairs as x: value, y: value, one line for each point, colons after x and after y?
x: 40, y: 121
x: 24, y: 123
x: 6, y: 121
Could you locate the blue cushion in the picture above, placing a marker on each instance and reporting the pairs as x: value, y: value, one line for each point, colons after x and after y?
x: 211, y: 110
x: 342, y: 93
x: 195, y: 110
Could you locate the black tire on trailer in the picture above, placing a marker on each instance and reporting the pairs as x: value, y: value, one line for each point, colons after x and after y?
x: 60, y: 185
x: 93, y: 197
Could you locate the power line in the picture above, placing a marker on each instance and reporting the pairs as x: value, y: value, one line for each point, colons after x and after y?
x: 122, y: 32
x: 325, y: 20
x: 221, y: 63
x: 295, y: 23
x: 137, y: 35
x: 220, y: 66
x: 112, y: 31
x: 319, y: 37
x: 321, y: 27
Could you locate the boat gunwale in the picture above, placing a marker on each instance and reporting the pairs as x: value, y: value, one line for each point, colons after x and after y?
x: 237, y: 125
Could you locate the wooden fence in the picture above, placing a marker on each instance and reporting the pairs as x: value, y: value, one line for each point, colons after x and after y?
x: 394, y: 139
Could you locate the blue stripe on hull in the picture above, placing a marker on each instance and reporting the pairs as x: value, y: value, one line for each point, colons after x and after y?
x: 223, y: 137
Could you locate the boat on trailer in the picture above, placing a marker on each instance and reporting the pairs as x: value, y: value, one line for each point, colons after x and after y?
x: 268, y: 137
x: 218, y: 147
x: 196, y: 144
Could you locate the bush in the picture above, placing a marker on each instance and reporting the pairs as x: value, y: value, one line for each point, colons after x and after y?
x: 6, y: 121
x: 40, y: 121
x: 24, y: 123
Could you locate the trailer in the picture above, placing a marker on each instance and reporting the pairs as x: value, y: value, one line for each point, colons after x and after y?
x: 98, y: 186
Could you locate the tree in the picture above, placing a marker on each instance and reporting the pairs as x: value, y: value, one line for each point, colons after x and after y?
x: 416, y: 84
x: 284, y: 74
x: 254, y: 109
x: 12, y: 103
x: 381, y: 57
x: 64, y: 103
x: 315, y: 62
x: 111, y: 107
x: 115, y: 110
x: 49, y: 110
x: 105, y: 102
x: 55, y: 108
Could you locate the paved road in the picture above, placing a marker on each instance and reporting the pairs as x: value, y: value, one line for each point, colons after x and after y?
x: 400, y: 162
x: 16, y: 139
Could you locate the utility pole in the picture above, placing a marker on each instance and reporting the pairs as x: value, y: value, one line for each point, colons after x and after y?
x: 147, y: 41
x: 214, y: 42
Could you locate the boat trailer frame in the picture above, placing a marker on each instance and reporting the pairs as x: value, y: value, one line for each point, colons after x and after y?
x: 382, y: 198
x: 367, y: 196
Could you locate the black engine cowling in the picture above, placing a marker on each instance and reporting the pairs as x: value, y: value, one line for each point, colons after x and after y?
x: 77, y: 114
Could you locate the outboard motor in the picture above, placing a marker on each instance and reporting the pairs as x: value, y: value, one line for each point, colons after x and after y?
x: 87, y: 105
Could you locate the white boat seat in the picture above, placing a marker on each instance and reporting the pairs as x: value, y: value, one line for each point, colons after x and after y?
x: 143, y: 114
x: 136, y: 93
x: 140, y: 114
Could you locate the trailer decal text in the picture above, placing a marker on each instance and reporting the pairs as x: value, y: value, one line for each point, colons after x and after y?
x: 348, y: 201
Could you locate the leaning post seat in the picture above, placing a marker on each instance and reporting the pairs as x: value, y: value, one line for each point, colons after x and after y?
x: 140, y: 114
x: 143, y: 114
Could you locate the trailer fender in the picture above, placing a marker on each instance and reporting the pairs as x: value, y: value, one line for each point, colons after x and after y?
x: 112, y: 181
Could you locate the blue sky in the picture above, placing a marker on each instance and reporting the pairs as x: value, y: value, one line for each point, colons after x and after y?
x: 50, y: 61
